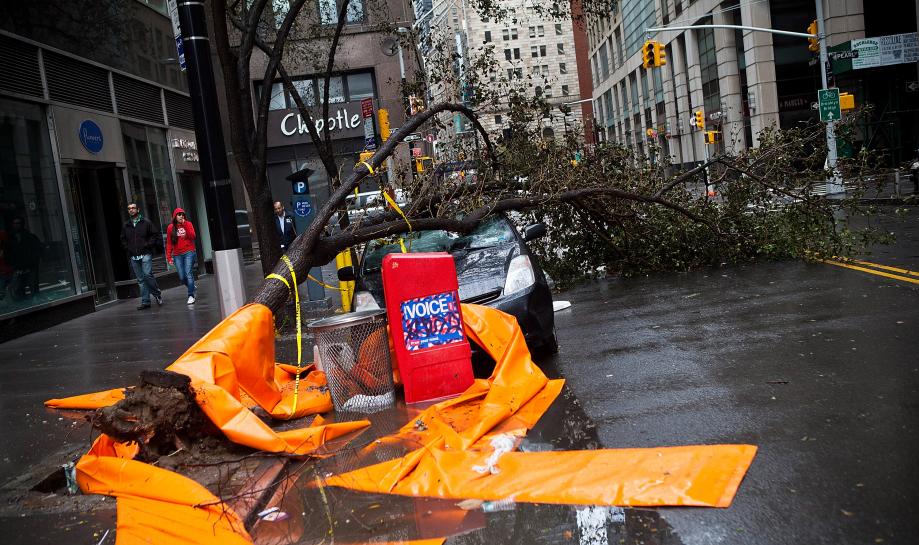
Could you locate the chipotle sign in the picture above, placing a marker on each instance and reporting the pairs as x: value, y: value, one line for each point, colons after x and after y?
x: 287, y: 127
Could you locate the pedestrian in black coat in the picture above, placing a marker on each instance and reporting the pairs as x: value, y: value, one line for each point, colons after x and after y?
x: 284, y: 224
x: 140, y: 238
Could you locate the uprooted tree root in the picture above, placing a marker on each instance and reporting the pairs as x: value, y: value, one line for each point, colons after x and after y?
x: 160, y: 415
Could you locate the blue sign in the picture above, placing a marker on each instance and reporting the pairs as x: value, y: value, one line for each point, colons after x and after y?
x: 303, y: 208
x: 300, y: 187
x: 180, y: 49
x: 91, y: 136
x: 429, y: 321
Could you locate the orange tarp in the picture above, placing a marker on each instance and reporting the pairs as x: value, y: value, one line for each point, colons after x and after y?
x: 235, y: 361
x: 707, y: 475
x: 156, y: 505
x: 461, y: 437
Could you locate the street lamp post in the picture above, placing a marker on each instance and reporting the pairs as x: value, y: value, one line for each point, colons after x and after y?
x: 218, y: 193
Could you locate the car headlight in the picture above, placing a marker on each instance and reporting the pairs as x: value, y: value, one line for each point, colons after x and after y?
x: 363, y: 300
x: 520, y: 275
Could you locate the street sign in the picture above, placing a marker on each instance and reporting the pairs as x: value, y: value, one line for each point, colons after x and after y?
x: 300, y: 187
x: 370, y: 140
x: 829, y: 104
x: 173, y: 9
x: 416, y: 152
x: 414, y: 137
x: 303, y: 208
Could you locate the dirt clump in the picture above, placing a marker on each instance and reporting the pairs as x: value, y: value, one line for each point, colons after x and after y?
x: 160, y: 415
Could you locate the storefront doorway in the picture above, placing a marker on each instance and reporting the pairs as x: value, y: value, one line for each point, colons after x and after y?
x: 98, y: 202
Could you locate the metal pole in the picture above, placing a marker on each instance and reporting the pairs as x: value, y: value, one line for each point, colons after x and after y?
x: 833, y: 183
x: 218, y: 193
x: 740, y: 27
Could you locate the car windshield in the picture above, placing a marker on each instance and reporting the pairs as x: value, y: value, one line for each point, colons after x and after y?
x: 493, y: 232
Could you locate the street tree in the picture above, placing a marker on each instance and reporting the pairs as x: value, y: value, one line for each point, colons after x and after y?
x: 608, y: 207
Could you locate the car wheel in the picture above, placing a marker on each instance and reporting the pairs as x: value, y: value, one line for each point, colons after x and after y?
x: 549, y: 347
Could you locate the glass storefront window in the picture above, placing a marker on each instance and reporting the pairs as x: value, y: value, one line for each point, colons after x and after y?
x: 336, y: 89
x: 35, y: 265
x: 360, y: 86
x: 150, y: 179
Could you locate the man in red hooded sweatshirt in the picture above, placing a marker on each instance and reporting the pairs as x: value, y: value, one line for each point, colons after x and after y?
x: 180, y: 248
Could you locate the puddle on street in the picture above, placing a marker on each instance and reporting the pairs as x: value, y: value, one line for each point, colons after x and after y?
x: 317, y: 514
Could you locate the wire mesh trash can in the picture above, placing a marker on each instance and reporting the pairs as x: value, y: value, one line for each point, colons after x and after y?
x: 354, y: 354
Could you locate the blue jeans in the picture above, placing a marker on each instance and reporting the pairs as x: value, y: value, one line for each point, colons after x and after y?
x: 143, y: 270
x: 185, y: 264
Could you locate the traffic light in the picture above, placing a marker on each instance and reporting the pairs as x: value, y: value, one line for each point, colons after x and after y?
x: 712, y: 136
x: 660, y: 56
x: 699, y: 119
x: 647, y: 54
x: 813, y: 44
x: 383, y: 118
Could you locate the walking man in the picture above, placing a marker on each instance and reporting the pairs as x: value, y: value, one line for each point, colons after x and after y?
x: 285, y: 226
x: 139, y: 238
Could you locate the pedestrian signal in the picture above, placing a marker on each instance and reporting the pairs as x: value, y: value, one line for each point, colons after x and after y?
x: 712, y: 136
x: 383, y: 118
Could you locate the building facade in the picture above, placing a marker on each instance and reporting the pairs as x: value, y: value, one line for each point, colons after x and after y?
x: 530, y: 49
x: 366, y: 71
x: 745, y: 81
x: 79, y: 140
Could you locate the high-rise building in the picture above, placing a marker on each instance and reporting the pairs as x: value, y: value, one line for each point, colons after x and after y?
x: 744, y: 81
x: 531, y: 49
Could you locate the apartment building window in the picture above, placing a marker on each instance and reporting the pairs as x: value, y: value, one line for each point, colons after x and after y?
x: 645, y: 96
x: 603, y: 62
x: 565, y: 90
x: 538, y: 51
x: 499, y: 120
x: 548, y: 91
x: 328, y: 12
x: 487, y: 37
x: 708, y: 65
x: 540, y: 31
x: 561, y: 49
x: 509, y: 34
x: 562, y: 69
x: 532, y: 32
x: 633, y: 93
x: 455, y: 14
x: 558, y: 29
x: 537, y: 91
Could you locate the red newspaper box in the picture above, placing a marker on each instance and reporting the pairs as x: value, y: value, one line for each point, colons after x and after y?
x: 426, y: 324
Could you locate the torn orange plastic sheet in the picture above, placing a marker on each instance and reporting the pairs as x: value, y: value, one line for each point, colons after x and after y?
x: 237, y: 355
x: 706, y: 475
x: 233, y: 361
x: 460, y: 460
x: 156, y: 505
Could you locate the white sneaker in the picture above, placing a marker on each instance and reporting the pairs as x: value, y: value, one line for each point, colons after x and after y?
x: 191, y: 300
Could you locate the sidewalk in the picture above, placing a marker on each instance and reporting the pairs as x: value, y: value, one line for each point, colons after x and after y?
x: 98, y: 351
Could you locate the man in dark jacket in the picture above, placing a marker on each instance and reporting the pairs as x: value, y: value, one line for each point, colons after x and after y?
x: 284, y: 224
x: 139, y: 238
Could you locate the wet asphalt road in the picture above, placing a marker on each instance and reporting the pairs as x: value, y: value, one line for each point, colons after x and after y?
x: 815, y: 364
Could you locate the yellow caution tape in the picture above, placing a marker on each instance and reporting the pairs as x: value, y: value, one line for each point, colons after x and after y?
x: 296, y: 293
x: 369, y: 168
x: 399, y: 211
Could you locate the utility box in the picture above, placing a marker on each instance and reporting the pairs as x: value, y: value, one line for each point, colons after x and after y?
x: 426, y: 324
